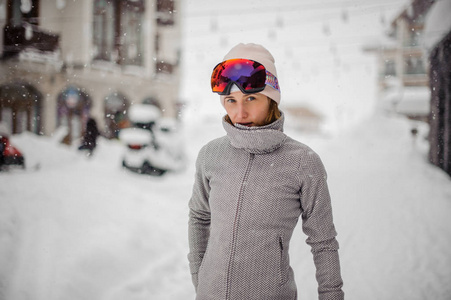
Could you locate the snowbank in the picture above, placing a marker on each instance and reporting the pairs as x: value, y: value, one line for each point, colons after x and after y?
x: 80, y: 228
x: 414, y: 100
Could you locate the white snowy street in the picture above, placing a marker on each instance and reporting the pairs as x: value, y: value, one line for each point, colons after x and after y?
x: 77, y: 228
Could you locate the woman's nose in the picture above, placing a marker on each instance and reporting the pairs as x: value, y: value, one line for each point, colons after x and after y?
x: 242, y: 111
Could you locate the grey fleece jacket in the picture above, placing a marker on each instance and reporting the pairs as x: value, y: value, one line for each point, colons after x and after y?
x: 250, y: 188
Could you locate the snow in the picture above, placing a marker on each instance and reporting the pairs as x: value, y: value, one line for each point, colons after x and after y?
x: 50, y: 58
x: 414, y: 100
x: 144, y: 113
x: 135, y: 136
x: 73, y: 227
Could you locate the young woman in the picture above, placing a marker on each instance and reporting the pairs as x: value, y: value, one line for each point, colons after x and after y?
x: 250, y: 188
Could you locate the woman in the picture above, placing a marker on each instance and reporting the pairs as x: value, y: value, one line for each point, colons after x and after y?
x: 250, y: 188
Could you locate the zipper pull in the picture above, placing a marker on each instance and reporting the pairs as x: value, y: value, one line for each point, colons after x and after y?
x: 280, y: 243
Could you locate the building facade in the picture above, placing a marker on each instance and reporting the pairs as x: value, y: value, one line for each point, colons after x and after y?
x: 417, y: 57
x: 403, y: 65
x: 65, y: 61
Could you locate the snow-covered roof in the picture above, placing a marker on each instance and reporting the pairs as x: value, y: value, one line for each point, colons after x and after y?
x: 437, y: 23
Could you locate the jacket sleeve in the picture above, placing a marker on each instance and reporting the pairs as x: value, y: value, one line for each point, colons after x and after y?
x: 199, y: 218
x: 317, y: 224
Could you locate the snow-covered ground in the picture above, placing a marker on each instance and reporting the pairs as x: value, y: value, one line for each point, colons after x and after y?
x: 78, y: 228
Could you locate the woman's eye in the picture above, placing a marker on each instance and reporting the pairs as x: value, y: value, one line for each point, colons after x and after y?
x: 250, y: 98
x: 230, y: 100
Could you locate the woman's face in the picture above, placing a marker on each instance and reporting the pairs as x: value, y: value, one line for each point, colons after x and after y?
x: 247, y: 109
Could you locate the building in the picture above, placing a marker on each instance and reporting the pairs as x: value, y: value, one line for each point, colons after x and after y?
x: 415, y: 72
x: 437, y: 42
x: 402, y: 63
x: 64, y: 61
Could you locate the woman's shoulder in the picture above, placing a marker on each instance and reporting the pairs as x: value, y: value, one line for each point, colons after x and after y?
x: 213, y: 146
x: 209, y: 152
x: 303, y: 152
x: 216, y: 143
x: 298, y: 146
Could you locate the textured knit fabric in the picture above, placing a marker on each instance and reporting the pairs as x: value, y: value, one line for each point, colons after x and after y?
x: 251, y: 186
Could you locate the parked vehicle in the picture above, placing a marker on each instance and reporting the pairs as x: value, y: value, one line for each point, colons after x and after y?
x: 153, y: 144
x: 9, y: 155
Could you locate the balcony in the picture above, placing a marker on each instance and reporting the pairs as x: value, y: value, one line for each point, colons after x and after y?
x: 24, y: 36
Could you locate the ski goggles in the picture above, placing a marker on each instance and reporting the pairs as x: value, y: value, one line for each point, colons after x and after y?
x: 250, y: 77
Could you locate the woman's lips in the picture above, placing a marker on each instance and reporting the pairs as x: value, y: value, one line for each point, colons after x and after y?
x: 246, y: 124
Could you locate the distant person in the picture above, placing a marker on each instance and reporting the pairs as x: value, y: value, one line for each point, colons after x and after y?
x: 89, y: 141
x: 251, y: 187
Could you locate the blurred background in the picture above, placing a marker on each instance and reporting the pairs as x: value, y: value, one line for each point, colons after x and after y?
x: 104, y: 105
x: 64, y: 61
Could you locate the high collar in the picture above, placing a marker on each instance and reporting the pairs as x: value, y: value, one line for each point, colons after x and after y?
x: 258, y: 139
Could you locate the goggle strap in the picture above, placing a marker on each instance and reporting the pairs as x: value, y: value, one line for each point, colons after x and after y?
x: 272, y: 81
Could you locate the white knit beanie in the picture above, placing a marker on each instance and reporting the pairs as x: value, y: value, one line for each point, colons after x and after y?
x: 259, y: 54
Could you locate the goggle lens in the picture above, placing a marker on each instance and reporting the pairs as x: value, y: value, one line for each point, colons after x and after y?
x: 250, y: 76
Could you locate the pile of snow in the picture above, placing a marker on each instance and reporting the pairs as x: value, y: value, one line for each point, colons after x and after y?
x: 136, y: 136
x: 84, y: 228
x: 144, y: 113
x: 414, y: 100
x: 408, y: 100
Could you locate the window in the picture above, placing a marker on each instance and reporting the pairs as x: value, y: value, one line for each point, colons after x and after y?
x: 20, y: 103
x: 390, y: 68
x: 413, y: 38
x: 21, y: 30
x: 165, y: 12
x: 23, y: 11
x: 104, y: 30
x: 132, y: 47
x: 414, y: 66
x: 117, y: 31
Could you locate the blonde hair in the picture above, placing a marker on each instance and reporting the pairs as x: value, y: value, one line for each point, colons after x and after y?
x: 273, y: 113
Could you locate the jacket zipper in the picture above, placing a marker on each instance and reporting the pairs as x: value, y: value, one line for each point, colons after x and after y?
x: 236, y: 223
x: 282, y: 258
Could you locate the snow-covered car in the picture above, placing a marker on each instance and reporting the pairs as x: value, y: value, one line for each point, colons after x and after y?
x: 9, y: 155
x: 154, y: 144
